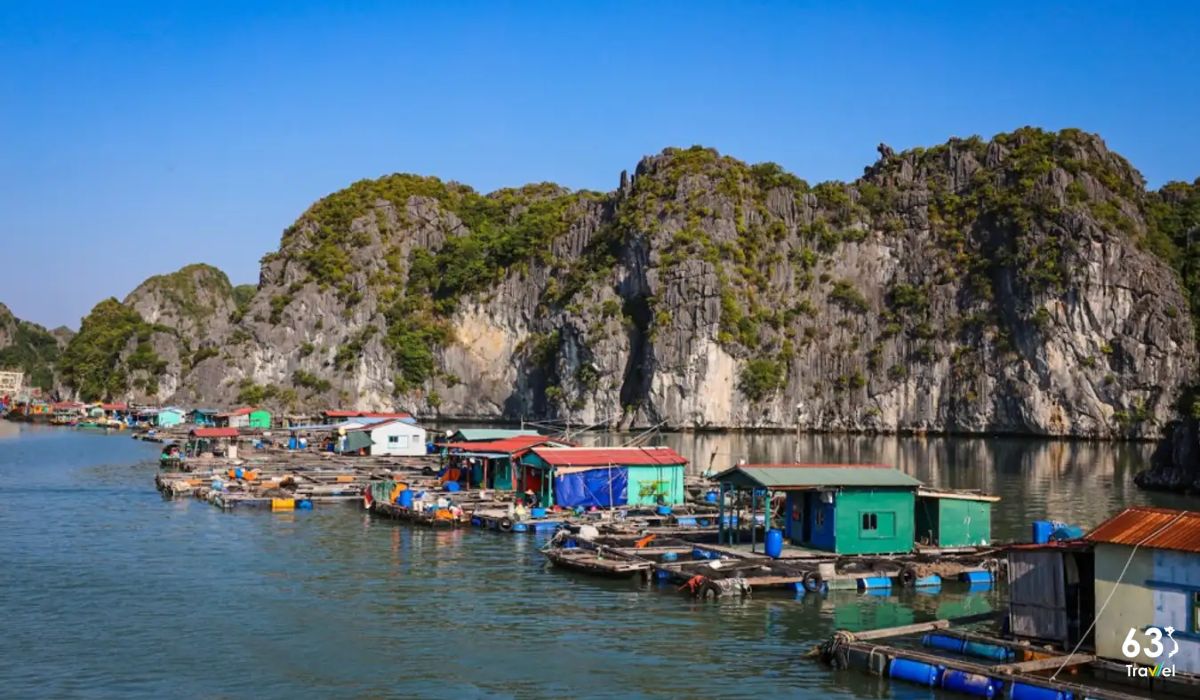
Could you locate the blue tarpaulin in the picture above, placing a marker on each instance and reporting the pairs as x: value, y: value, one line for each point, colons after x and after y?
x: 603, y: 487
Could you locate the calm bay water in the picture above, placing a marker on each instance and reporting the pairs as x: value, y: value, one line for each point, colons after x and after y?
x: 106, y: 590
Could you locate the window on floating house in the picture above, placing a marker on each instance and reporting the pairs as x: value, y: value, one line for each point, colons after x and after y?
x: 1195, y: 612
x: 878, y: 525
x: 393, y: 439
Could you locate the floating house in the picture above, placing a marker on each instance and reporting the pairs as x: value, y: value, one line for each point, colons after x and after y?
x: 221, y: 442
x: 169, y: 417
x: 1147, y: 574
x: 841, y: 508
x: 244, y: 418
x: 603, y: 477
x: 490, y: 463
x: 488, y: 434
x: 203, y: 417
x: 337, y: 415
x: 1051, y: 592
x: 953, y: 518
x: 389, y: 437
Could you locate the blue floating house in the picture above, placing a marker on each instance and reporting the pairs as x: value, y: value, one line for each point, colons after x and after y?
x: 204, y: 417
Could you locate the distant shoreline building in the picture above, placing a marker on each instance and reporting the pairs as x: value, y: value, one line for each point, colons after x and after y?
x: 11, y: 383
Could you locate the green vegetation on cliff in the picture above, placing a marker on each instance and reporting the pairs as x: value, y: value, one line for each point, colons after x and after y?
x: 91, y: 363
x: 32, y: 350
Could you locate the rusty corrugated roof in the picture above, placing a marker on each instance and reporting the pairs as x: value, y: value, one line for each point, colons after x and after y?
x: 1156, y: 528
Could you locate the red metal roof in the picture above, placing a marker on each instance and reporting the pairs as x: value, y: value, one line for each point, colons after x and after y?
x: 512, y: 445
x: 1155, y: 528
x: 606, y: 456
x: 816, y: 465
x: 114, y: 406
x: 338, y: 413
x: 215, y: 432
x: 244, y: 411
x: 380, y: 424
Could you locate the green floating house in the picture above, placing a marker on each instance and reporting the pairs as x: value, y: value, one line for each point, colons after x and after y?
x: 954, y: 518
x: 841, y: 508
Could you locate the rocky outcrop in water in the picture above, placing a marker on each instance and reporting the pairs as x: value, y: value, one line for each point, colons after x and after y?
x: 1175, y: 464
x: 1011, y: 285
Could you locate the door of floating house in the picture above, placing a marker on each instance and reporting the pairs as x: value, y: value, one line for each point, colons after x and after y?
x: 953, y: 519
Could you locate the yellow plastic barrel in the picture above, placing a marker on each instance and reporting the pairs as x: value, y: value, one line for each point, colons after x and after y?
x: 283, y: 504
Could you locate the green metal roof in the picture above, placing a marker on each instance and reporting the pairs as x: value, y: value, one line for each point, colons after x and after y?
x: 476, y: 434
x: 814, y: 477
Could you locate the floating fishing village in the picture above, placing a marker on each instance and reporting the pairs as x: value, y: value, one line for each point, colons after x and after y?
x: 1112, y: 612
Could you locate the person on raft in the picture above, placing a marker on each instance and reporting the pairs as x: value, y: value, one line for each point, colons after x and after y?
x: 532, y: 499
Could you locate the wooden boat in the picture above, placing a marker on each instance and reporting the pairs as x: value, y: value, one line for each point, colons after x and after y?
x: 597, y: 562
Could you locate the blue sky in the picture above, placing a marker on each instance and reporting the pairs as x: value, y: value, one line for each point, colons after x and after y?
x: 138, y: 137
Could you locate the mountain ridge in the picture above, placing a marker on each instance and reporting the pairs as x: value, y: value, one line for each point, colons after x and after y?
x: 1018, y: 284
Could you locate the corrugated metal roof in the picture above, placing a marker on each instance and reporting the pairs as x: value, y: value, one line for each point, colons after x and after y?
x: 509, y: 446
x: 244, y: 411
x: 215, y: 432
x: 474, y: 434
x: 803, y: 476
x: 609, y: 456
x: 1156, y: 528
x: 339, y: 413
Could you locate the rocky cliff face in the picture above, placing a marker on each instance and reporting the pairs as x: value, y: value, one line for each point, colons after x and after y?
x: 1011, y: 285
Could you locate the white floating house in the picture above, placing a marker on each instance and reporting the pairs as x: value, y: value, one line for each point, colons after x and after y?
x: 394, y: 437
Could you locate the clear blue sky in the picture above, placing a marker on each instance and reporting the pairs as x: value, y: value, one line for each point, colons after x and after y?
x: 136, y: 138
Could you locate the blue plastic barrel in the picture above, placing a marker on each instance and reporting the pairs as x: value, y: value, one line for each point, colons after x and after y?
x: 452, y: 486
x: 704, y: 522
x: 874, y: 582
x: 774, y: 544
x: 520, y: 527
x: 943, y: 642
x: 976, y: 577
x: 663, y: 510
x: 570, y: 544
x: 929, y: 581
x: 1024, y: 691
x: 915, y: 672
x: 670, y: 556
x: 711, y: 497
x: 476, y: 521
x: 405, y: 499
x: 685, y: 522
x: 292, y: 443
x: 970, y: 683
x: 304, y: 504
x: 698, y: 553
x: 239, y: 473
x: 1042, y: 530
x: 537, y: 512
x: 983, y: 650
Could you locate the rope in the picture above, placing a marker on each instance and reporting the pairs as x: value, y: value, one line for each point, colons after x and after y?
x: 1120, y: 578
